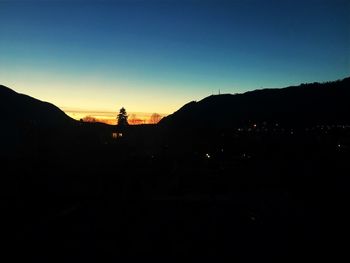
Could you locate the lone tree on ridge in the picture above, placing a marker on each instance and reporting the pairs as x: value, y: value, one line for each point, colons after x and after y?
x: 122, y: 118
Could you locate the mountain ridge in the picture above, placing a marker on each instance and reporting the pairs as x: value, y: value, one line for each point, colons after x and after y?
x: 294, y: 105
x: 28, y: 123
x: 17, y: 107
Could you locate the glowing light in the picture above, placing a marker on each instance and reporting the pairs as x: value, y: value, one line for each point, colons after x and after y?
x: 116, y: 135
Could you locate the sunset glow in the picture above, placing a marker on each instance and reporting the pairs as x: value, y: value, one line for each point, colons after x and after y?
x: 155, y: 56
x: 110, y: 117
x: 148, y: 130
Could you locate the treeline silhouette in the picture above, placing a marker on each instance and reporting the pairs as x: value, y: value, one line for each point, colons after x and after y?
x: 228, y: 178
x: 133, y: 119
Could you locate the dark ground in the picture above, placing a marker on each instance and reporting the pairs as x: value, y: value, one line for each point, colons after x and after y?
x: 238, y: 196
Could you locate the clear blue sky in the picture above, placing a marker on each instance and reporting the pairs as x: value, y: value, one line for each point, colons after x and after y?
x: 155, y: 56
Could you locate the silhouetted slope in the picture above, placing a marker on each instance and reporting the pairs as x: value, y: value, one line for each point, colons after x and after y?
x: 20, y: 109
x: 307, y: 104
x: 26, y: 121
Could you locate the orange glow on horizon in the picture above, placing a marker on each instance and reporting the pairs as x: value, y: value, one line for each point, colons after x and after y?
x: 135, y: 118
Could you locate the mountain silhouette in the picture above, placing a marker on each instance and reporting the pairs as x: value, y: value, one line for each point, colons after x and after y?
x: 232, y: 193
x: 27, y: 119
x: 303, y: 105
x: 20, y: 109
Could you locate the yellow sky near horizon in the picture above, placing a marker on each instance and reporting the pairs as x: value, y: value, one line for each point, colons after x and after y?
x: 102, y: 104
x: 109, y: 117
x: 96, y: 95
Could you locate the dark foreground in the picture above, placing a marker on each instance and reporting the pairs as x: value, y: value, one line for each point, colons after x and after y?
x: 243, y: 196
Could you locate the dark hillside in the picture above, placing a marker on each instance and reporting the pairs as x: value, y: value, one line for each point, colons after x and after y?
x: 241, y: 178
x: 304, y: 105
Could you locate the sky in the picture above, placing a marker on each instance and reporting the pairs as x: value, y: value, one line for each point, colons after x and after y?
x: 155, y: 56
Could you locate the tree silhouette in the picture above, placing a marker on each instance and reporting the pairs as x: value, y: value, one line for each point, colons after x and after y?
x: 89, y: 119
x: 122, y: 118
x: 155, y: 118
x: 134, y: 120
